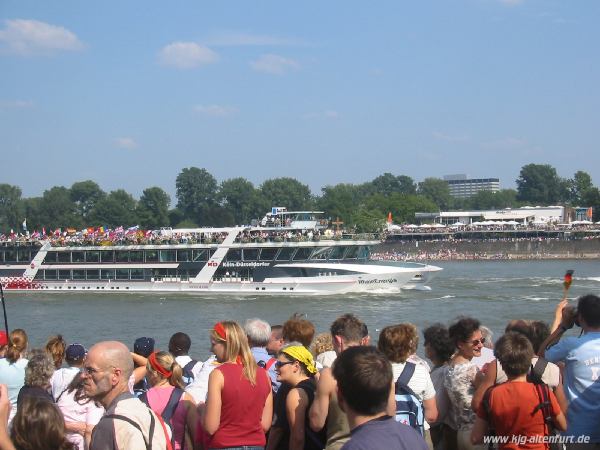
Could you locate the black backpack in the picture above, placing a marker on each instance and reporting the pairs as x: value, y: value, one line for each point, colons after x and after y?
x: 188, y: 375
x: 169, y: 411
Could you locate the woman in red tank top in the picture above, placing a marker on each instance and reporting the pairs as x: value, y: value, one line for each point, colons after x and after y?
x: 239, y: 405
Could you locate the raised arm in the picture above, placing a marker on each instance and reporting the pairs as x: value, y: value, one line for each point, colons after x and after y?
x: 320, y: 407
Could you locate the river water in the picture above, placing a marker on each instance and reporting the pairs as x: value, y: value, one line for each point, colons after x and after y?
x: 492, y: 291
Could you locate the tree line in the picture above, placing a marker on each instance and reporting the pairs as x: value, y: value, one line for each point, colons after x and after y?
x: 202, y: 201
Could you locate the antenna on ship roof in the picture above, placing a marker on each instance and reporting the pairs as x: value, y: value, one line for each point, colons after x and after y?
x: 4, y: 309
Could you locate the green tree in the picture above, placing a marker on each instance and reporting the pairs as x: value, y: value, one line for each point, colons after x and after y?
x: 33, y: 211
x: 506, y: 198
x: 196, y: 193
x: 340, y: 201
x: 540, y: 184
x: 85, y: 195
x: 242, y: 200
x: 287, y: 192
x: 57, y: 210
x: 116, y: 209
x: 153, y: 208
x: 436, y: 190
x: 578, y: 185
x: 11, y: 208
x: 387, y: 184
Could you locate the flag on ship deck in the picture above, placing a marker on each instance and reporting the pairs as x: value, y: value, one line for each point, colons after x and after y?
x: 25, y: 224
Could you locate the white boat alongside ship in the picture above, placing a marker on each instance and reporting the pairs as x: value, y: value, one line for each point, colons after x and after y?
x: 287, y: 253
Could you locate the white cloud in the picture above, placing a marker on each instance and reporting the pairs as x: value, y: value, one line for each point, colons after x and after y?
x: 186, y: 55
x: 449, y: 137
x: 274, y: 64
x: 327, y: 114
x: 16, y: 104
x: 31, y: 37
x: 234, y: 39
x: 215, y: 110
x: 126, y: 143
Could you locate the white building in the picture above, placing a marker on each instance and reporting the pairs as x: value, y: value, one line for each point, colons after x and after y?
x: 524, y: 215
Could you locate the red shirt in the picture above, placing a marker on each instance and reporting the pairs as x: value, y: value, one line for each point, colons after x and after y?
x: 511, y: 406
x: 241, y: 408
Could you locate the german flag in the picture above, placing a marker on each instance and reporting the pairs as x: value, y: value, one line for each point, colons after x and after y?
x: 568, y: 279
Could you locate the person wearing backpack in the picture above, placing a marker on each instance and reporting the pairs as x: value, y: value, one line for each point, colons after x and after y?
x: 415, y: 395
x: 518, y: 410
x: 179, y: 347
x: 167, y: 398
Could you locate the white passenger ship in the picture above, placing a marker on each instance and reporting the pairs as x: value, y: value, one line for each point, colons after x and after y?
x: 287, y: 253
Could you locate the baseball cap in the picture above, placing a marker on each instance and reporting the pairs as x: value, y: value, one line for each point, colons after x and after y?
x: 75, y: 352
x: 143, y: 346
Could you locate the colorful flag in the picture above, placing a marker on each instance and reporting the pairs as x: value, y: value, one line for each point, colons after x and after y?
x: 590, y: 212
x: 389, y: 219
x: 568, y: 279
x: 44, y: 231
x: 25, y: 224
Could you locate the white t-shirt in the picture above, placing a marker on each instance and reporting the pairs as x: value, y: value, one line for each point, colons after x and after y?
x: 199, y: 387
x: 183, y: 360
x: 60, y: 380
x: 420, y: 382
x: 74, y: 411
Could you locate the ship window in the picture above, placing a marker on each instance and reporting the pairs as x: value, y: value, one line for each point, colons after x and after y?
x: 107, y: 256
x: 234, y: 254
x: 92, y: 274
x: 50, y: 274
x: 64, y: 274
x: 122, y: 256
x: 321, y: 253
x: 64, y: 257
x: 337, y: 252
x: 167, y: 255
x: 363, y: 252
x: 92, y: 256
x: 200, y: 255
x: 24, y: 255
x: 107, y: 274
x: 250, y: 254
x: 51, y: 257
x: 285, y: 254
x: 137, y: 274
x: 303, y: 253
x: 1, y: 256
x: 136, y: 256
x: 183, y: 255
x: 79, y: 274
x: 122, y: 274
x: 268, y: 254
x: 151, y: 256
x: 10, y: 256
x: 78, y: 257
x: 352, y: 253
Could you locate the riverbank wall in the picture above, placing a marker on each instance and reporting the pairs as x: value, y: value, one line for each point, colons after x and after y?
x: 490, y: 249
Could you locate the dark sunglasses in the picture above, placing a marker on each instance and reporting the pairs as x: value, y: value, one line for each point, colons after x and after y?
x: 280, y: 364
x: 476, y: 342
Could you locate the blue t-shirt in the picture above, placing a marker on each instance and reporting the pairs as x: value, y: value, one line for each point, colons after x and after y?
x: 384, y: 433
x: 260, y: 354
x: 582, y: 385
x: 13, y: 376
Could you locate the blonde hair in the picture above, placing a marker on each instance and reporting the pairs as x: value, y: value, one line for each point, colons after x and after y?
x: 167, y: 362
x: 55, y: 347
x: 17, y: 343
x: 322, y: 343
x: 237, y: 348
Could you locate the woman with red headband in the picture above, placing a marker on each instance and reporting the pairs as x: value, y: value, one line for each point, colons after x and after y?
x: 239, y: 406
x: 167, y: 398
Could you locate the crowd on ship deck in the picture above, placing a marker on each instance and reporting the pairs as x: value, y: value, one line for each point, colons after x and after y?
x: 286, y: 387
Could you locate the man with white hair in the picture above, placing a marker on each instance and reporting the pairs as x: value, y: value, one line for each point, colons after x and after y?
x: 259, y: 333
x: 128, y: 423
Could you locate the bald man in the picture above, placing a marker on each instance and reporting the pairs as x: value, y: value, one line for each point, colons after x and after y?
x: 127, y: 423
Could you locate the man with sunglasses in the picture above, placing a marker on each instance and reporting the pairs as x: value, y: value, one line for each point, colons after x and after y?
x: 127, y: 423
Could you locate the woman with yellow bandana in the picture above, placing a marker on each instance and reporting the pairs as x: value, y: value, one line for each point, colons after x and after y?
x: 295, y: 366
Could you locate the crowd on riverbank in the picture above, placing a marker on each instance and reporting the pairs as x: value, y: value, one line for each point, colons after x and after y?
x: 455, y: 255
x: 287, y: 387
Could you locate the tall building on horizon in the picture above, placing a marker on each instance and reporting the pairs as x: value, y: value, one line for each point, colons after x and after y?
x: 463, y: 187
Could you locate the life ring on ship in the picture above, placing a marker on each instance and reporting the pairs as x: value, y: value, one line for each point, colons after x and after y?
x: 32, y: 265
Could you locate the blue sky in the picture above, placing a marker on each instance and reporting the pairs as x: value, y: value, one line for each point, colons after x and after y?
x: 129, y: 93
